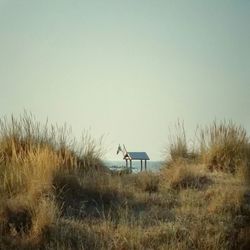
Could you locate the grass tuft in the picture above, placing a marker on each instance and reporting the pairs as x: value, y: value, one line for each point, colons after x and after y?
x: 179, y: 149
x: 224, y: 146
x: 183, y: 175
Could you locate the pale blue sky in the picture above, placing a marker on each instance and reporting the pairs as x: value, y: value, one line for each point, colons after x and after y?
x: 127, y: 69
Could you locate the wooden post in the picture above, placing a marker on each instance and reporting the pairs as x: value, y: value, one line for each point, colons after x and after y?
x: 145, y: 164
x: 141, y: 165
x: 126, y: 163
x: 131, y: 166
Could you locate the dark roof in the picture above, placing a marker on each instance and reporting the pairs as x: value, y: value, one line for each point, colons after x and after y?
x: 137, y: 156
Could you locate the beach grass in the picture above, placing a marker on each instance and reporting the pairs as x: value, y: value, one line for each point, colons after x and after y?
x: 57, y: 194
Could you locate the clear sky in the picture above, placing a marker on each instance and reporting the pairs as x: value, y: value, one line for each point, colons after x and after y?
x: 126, y: 69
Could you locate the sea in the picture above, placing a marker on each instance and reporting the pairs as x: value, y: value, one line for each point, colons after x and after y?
x: 152, y: 166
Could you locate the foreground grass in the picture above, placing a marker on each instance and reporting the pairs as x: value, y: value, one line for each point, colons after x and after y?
x: 53, y: 196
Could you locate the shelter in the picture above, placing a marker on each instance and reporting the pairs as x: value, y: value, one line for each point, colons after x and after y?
x: 141, y: 156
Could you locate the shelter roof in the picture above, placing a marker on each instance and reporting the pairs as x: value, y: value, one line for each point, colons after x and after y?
x: 137, y: 156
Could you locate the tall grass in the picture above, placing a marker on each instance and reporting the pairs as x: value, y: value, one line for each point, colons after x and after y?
x: 178, y: 147
x: 32, y: 154
x: 24, y: 135
x: 224, y: 146
x: 21, y: 136
x: 50, y: 200
x: 91, y: 152
x: 212, y: 189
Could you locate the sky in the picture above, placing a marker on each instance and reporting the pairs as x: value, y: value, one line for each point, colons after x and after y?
x: 126, y: 70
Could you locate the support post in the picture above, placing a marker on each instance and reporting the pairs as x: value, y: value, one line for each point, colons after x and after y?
x: 126, y: 163
x: 131, y: 166
x: 141, y: 165
x: 145, y: 164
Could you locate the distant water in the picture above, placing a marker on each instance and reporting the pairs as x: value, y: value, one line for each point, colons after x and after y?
x: 153, y: 166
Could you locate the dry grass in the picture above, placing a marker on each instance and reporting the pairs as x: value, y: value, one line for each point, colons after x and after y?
x: 183, y: 175
x: 31, y: 156
x: 148, y: 182
x: 57, y: 195
x: 224, y: 146
x: 178, y: 142
x: 179, y: 148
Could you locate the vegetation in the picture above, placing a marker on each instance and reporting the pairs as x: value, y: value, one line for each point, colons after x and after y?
x: 224, y: 146
x: 55, y: 194
x: 179, y: 148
